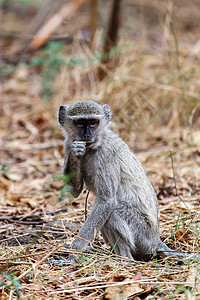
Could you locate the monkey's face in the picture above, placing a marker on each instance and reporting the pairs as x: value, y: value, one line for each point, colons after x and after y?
x: 84, y: 121
x: 87, y: 129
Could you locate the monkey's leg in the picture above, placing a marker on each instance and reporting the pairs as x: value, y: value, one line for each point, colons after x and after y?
x: 129, y: 235
x: 117, y: 244
x: 119, y: 240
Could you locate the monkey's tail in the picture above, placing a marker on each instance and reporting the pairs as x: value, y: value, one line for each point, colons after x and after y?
x: 163, y: 250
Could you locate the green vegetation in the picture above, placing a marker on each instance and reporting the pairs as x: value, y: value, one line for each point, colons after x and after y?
x: 50, y: 61
x: 11, y: 283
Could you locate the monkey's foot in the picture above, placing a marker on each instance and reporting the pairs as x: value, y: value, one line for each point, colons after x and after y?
x: 64, y: 261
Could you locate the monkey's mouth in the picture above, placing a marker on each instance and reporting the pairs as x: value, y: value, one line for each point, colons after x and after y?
x: 91, y: 144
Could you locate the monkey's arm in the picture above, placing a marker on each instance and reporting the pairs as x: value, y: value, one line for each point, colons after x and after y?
x: 99, y: 214
x: 72, y: 165
x: 104, y: 204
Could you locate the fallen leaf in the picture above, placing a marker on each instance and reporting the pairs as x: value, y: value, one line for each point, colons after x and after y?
x: 181, y: 235
x: 125, y: 289
x: 4, y: 184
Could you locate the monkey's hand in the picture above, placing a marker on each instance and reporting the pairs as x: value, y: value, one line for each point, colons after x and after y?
x: 78, y: 148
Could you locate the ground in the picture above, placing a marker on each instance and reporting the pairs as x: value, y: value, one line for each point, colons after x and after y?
x: 153, y: 91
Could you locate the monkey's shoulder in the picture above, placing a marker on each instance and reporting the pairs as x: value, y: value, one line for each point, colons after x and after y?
x: 113, y: 144
x: 112, y: 149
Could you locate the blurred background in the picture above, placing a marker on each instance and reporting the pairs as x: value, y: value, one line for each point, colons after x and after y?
x: 143, y: 59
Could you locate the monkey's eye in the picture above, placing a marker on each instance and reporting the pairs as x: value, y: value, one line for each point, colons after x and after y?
x: 93, y: 122
x: 79, y: 123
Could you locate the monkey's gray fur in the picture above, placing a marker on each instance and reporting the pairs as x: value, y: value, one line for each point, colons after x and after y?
x: 126, y: 208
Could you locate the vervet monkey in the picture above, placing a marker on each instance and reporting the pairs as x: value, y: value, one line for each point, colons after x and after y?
x: 126, y: 207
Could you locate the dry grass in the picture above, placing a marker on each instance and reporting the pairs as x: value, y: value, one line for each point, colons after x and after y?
x: 153, y: 90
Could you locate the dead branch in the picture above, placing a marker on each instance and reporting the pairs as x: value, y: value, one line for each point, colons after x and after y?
x: 111, y: 35
x: 50, y: 26
x: 47, y: 10
x: 93, y: 19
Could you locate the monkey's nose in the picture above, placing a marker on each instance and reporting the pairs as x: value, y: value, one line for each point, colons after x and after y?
x: 86, y: 136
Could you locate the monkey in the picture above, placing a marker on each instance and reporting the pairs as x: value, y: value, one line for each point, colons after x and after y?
x: 126, y: 209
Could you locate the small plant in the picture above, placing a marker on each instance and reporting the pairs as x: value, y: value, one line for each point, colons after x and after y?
x: 75, y: 61
x: 4, y: 171
x: 11, y: 283
x: 50, y: 62
x: 66, y: 190
x: 177, y: 222
x: 6, y: 69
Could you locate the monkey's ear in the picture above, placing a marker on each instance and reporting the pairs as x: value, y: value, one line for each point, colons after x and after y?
x: 61, y: 115
x: 107, y: 112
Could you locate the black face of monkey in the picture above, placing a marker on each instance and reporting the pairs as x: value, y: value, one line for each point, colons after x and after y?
x: 84, y: 121
x: 87, y: 129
